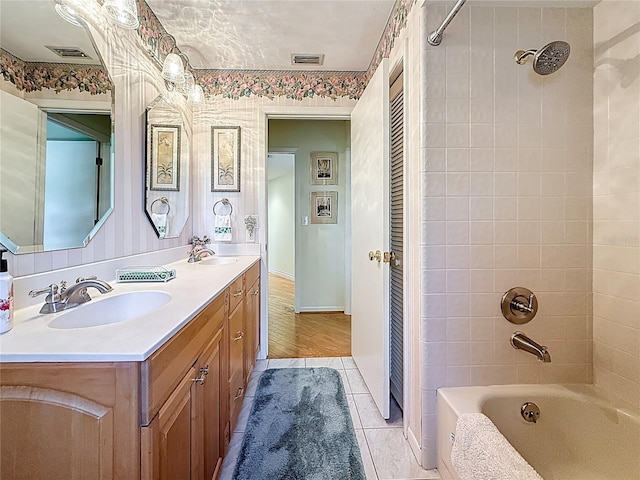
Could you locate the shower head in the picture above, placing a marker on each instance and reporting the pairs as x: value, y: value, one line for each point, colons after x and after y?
x: 548, y: 59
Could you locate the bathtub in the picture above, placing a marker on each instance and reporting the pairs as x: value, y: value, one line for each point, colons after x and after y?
x: 580, y: 435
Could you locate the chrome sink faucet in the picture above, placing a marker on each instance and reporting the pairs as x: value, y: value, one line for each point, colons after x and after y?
x: 520, y: 341
x: 62, y: 298
x: 197, y: 255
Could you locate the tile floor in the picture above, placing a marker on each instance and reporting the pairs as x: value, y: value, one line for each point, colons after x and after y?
x: 385, y: 452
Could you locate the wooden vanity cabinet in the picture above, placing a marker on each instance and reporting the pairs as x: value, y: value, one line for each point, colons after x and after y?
x: 169, y: 417
x: 252, y: 319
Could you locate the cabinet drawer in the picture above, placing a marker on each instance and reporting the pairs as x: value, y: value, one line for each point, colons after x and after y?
x: 236, y: 292
x: 162, y: 371
x: 251, y: 275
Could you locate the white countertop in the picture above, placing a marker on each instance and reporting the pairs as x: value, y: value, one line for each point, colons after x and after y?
x: 195, y: 285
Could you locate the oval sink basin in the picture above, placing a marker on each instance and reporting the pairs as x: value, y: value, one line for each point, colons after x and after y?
x: 217, y: 260
x: 111, y: 309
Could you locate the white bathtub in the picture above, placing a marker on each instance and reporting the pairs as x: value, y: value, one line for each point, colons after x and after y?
x: 580, y: 435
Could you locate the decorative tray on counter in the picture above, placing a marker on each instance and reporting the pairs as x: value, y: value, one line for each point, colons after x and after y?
x: 144, y: 274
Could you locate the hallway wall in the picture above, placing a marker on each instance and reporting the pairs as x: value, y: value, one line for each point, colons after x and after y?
x: 319, y: 248
x: 507, y: 199
x: 282, y: 216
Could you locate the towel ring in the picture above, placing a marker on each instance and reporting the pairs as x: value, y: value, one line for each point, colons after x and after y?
x: 164, y: 201
x: 224, y: 202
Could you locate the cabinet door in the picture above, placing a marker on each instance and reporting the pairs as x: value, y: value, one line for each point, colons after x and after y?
x: 236, y: 362
x: 251, y: 328
x: 175, y: 424
x: 210, y: 406
x: 69, y: 421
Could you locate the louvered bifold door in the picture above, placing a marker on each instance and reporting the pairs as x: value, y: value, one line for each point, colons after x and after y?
x: 396, y: 146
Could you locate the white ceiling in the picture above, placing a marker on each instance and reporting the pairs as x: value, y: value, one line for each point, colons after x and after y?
x: 27, y: 26
x: 262, y: 34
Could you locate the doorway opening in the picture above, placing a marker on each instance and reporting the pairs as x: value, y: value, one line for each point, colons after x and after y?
x: 308, y: 190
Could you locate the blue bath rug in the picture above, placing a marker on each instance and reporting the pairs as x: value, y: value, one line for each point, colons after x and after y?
x: 299, y: 428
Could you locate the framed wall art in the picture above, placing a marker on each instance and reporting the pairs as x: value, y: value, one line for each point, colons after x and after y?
x: 225, y: 159
x: 324, y: 168
x: 164, y: 151
x: 324, y: 207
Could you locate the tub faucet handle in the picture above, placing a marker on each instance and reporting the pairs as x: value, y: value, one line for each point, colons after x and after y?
x: 521, y: 306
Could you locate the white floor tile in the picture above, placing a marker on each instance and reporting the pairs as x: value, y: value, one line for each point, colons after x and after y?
x: 243, y: 417
x: 331, y: 362
x: 353, y: 410
x: 348, y: 363
x: 367, y: 461
x: 229, y: 462
x: 286, y: 363
x: 356, y: 382
x: 345, y: 381
x: 392, y: 456
x: 370, y: 415
x: 260, y: 365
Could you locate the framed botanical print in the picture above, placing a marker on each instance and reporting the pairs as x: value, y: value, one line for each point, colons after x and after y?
x: 164, y: 150
x: 324, y: 168
x: 324, y: 207
x: 225, y: 159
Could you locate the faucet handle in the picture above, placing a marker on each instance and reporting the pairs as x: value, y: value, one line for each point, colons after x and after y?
x: 52, y: 291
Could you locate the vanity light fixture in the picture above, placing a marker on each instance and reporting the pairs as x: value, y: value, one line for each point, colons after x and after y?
x: 176, y: 71
x: 197, y: 95
x: 68, y: 13
x: 123, y: 13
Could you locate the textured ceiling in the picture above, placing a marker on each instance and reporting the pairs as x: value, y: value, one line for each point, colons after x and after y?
x: 262, y: 34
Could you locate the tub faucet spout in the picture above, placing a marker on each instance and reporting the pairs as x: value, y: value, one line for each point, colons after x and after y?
x: 520, y: 341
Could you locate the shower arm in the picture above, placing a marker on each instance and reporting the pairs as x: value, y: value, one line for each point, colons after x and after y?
x: 521, y: 55
x: 435, y: 38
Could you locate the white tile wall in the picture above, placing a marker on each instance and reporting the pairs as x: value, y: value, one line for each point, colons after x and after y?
x: 616, y: 200
x: 508, y: 165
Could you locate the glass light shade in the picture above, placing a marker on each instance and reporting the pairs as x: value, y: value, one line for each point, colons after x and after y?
x: 189, y: 83
x: 122, y: 13
x: 173, y: 69
x: 197, y: 95
x: 68, y: 14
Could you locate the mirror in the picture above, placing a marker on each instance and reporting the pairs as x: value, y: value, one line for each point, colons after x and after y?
x: 167, y: 168
x: 56, y: 149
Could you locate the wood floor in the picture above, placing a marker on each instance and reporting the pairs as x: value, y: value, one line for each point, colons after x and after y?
x: 294, y: 335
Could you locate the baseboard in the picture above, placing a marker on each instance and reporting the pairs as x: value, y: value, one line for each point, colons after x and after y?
x: 321, y: 309
x: 288, y: 276
x: 415, y: 445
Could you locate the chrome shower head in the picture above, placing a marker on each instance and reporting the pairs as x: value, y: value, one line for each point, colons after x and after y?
x: 548, y: 59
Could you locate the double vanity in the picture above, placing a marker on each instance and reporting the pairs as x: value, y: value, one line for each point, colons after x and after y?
x: 153, y: 396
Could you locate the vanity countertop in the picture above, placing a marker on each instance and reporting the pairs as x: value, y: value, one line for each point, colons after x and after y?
x: 195, y: 285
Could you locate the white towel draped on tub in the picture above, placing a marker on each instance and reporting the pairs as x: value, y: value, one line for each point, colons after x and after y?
x: 480, y: 452
x: 222, y: 228
x: 160, y: 221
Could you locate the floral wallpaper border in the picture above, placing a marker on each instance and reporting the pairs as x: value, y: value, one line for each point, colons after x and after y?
x: 232, y: 84
x: 32, y: 77
x: 397, y: 22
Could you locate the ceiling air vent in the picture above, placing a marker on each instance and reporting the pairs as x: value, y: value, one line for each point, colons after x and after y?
x: 68, y: 52
x: 307, y: 59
